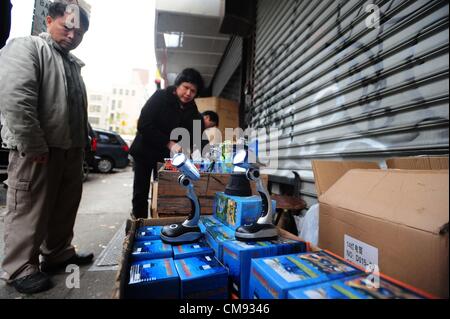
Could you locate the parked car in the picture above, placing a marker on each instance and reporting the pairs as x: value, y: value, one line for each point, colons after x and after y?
x: 4, y: 160
x: 90, y: 159
x: 111, y: 151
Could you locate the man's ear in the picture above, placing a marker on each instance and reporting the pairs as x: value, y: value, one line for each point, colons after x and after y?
x: 48, y: 20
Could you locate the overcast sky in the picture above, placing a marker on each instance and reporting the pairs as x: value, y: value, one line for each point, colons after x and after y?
x: 120, y: 38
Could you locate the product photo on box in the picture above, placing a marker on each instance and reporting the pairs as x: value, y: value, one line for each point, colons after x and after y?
x: 358, y: 287
x: 273, y: 277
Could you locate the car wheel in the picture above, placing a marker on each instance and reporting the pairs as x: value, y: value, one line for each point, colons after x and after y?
x: 105, y: 165
x: 85, y: 171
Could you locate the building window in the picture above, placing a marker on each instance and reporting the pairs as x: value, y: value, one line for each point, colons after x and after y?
x: 94, y: 108
x: 120, y: 104
x: 94, y: 120
x: 96, y: 97
x: 114, y: 91
x: 127, y: 92
x: 121, y: 92
x: 133, y: 93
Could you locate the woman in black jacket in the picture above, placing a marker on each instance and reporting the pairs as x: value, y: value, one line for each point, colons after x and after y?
x: 166, y: 110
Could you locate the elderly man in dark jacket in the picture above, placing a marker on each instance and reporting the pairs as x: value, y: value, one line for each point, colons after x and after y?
x: 167, y: 110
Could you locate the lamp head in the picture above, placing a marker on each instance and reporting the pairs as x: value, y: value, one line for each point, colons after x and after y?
x: 186, y: 167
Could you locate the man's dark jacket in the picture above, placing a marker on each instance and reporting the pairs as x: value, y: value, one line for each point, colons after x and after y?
x: 160, y: 115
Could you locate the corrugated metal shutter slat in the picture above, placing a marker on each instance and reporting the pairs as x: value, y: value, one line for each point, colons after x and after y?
x: 337, y: 88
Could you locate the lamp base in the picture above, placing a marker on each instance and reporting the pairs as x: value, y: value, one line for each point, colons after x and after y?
x: 180, y: 234
x: 256, y: 232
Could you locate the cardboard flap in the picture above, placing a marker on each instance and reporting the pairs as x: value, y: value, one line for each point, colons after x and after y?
x: 418, y: 163
x: 326, y: 173
x: 416, y: 199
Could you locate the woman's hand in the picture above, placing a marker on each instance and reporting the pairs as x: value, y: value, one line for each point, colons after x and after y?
x: 174, y: 148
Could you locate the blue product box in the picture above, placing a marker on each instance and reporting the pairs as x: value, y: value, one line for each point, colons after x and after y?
x: 154, y: 249
x: 153, y: 279
x: 208, y: 221
x: 237, y: 257
x: 235, y: 211
x: 273, y: 277
x: 358, y: 287
x: 148, y: 233
x: 202, y: 277
x: 216, y: 236
x: 200, y: 248
x: 287, y: 246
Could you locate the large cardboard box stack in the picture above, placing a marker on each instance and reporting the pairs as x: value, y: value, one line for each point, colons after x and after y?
x: 396, y: 219
x: 227, y: 110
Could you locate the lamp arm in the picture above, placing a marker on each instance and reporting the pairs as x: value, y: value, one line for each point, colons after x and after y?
x: 267, y: 217
x: 194, y: 216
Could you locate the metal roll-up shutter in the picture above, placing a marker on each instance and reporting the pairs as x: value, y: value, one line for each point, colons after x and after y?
x: 231, y: 61
x: 232, y: 91
x: 338, y: 85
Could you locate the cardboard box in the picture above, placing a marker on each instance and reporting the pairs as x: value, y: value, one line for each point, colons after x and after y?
x: 200, y: 248
x: 153, y: 279
x: 155, y: 249
x: 216, y: 236
x: 396, y: 219
x: 227, y: 110
x: 237, y: 257
x: 202, y: 277
x: 358, y: 287
x: 148, y: 233
x: 121, y: 287
x: 418, y: 163
x: 208, y: 221
x: 273, y: 277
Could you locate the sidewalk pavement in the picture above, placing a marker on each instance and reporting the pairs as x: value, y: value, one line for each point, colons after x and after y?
x: 104, y: 208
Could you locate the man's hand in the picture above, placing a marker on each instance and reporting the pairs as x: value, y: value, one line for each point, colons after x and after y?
x: 40, y: 159
x: 174, y: 147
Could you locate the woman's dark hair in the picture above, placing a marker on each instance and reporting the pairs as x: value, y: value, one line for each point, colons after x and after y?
x: 212, y: 116
x: 191, y: 76
x: 58, y: 9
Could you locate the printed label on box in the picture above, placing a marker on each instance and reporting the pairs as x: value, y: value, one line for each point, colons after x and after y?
x: 360, y: 253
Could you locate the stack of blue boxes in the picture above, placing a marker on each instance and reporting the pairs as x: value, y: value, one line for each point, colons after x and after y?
x: 237, y: 257
x: 233, y: 212
x: 162, y: 271
x: 274, y: 277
